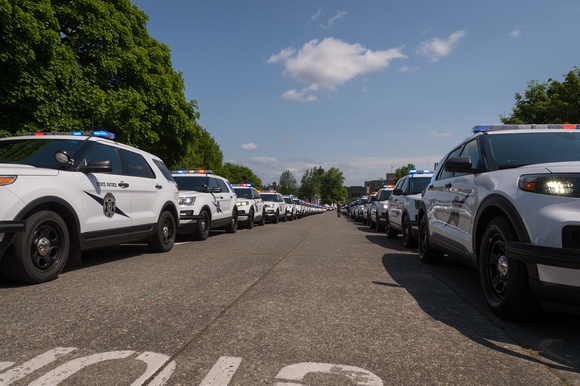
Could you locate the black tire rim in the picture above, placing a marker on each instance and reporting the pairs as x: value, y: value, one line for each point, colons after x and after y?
x: 46, y: 245
x: 204, y: 225
x: 167, y: 230
x: 497, y: 267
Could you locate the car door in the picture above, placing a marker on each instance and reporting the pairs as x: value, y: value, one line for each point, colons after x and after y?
x: 220, y: 211
x: 259, y: 209
x: 106, y: 199
x: 396, y: 202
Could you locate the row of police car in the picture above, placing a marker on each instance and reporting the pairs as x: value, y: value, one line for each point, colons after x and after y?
x: 505, y: 201
x: 64, y: 193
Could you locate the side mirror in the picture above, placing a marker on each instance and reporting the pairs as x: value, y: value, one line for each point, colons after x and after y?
x: 459, y: 165
x: 96, y: 167
x: 63, y: 157
x: 397, y: 192
x: 217, y: 189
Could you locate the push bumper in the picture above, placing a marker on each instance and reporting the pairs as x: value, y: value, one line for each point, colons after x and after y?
x: 554, y: 273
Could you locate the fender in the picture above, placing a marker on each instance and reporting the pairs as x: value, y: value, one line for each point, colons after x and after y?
x: 489, y: 207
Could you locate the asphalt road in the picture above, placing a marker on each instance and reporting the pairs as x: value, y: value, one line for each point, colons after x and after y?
x: 317, y: 301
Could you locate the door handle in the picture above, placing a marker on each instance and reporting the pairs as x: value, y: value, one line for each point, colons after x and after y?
x: 448, y: 186
x: 123, y: 184
x: 158, y: 187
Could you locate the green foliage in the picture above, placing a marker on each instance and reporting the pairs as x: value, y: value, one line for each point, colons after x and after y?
x: 403, y: 171
x: 288, y: 183
x: 548, y: 102
x: 69, y: 65
x: 309, y: 185
x: 332, y: 187
x: 204, y: 153
x: 238, y: 174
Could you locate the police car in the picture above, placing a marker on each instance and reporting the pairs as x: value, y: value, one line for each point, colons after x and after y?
x: 403, y: 205
x: 275, y: 206
x: 250, y: 205
x: 291, y: 211
x: 379, y: 206
x: 507, y: 202
x: 206, y: 201
x: 63, y: 193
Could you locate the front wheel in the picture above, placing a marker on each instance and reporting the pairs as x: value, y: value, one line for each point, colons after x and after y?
x: 408, y: 240
x: 202, y: 230
x: 164, y: 237
x: 233, y: 225
x: 250, y: 221
x: 391, y: 233
x: 427, y: 254
x: 40, y: 253
x: 504, y: 280
x: 263, y: 219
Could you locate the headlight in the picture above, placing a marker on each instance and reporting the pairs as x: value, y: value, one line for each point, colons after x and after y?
x: 187, y: 201
x: 242, y: 203
x: 269, y: 205
x: 385, y: 206
x: 567, y: 185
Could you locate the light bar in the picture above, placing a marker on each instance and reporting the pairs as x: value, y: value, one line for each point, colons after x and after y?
x: 100, y: 133
x: 478, y: 129
x: 201, y: 171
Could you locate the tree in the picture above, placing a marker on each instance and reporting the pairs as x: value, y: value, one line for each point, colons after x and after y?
x: 332, y: 187
x: 548, y: 102
x: 309, y: 186
x: 204, y: 153
x: 238, y: 174
x: 70, y: 65
x: 288, y: 184
x: 403, y: 171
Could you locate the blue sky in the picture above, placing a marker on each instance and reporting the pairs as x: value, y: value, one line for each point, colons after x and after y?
x: 365, y: 86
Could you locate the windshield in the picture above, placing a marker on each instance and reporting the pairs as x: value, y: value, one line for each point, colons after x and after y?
x: 269, y: 197
x: 288, y: 200
x: 197, y: 184
x: 418, y: 184
x: 520, y: 149
x: 242, y: 193
x: 37, y: 152
x: 384, y: 195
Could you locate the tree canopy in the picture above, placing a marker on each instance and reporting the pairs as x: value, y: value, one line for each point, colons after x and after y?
x: 403, y: 171
x: 238, y: 174
x: 332, y: 187
x: 74, y: 65
x: 548, y: 102
x: 288, y: 183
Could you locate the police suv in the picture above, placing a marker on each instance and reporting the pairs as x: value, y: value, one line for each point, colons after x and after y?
x: 250, y: 205
x: 403, y: 205
x: 63, y: 193
x: 379, y: 206
x: 507, y: 202
x: 275, y: 206
x: 206, y: 201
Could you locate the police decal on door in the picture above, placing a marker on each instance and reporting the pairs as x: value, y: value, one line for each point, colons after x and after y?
x: 109, y: 204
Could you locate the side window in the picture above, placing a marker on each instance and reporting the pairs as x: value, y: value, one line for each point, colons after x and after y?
x: 135, y: 165
x: 472, y: 151
x: 212, y: 183
x: 445, y: 174
x: 405, y: 186
x: 166, y: 173
x: 222, y: 185
x: 101, y: 152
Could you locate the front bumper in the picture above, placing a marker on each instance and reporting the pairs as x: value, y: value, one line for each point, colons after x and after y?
x: 554, y: 272
x: 188, y: 222
x: 7, y: 228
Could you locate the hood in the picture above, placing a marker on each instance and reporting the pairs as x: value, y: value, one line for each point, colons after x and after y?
x: 7, y: 169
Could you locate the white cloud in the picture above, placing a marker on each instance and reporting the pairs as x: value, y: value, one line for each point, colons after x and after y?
x: 437, y: 134
x: 330, y: 63
x: 289, y: 138
x: 516, y: 32
x: 437, y: 48
x: 406, y: 68
x: 316, y: 15
x: 336, y: 17
x: 249, y: 147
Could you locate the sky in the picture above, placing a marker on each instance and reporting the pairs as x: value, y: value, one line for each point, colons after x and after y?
x: 364, y: 86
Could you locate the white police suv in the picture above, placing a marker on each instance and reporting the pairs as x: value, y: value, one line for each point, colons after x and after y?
x: 379, y: 206
x: 206, y: 201
x: 250, y: 205
x: 403, y: 206
x: 275, y: 206
x: 507, y: 202
x: 63, y: 193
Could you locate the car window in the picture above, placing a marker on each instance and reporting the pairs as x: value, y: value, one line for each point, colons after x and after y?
x: 384, y: 195
x: 37, y: 152
x: 405, y: 185
x: 135, y: 165
x: 418, y: 184
x: 222, y: 185
x: 196, y: 184
x: 101, y: 152
x: 166, y: 173
x: 212, y: 183
x: 507, y: 150
x: 471, y: 150
x: 444, y: 173
x: 243, y: 192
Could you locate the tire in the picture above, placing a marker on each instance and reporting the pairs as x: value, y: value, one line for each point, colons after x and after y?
x: 40, y: 253
x: 164, y: 237
x: 408, y: 240
x: 202, y: 230
x: 284, y: 217
x: 391, y: 233
x: 263, y: 219
x: 250, y: 221
x: 427, y: 254
x: 378, y: 226
x: 291, y: 216
x: 232, y: 227
x: 504, y: 281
